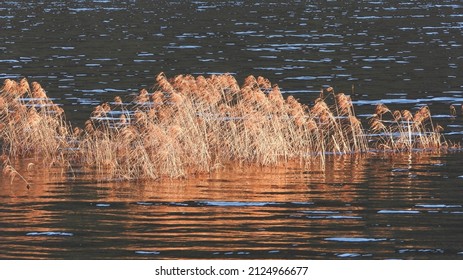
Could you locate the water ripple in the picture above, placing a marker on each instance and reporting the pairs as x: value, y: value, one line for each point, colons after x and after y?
x: 147, y: 252
x: 49, y: 233
x: 355, y: 239
x: 398, y: 212
x: 238, y: 203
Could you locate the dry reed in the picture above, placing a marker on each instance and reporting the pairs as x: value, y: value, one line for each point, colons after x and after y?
x: 31, y: 124
x: 191, y: 125
x: 402, y: 131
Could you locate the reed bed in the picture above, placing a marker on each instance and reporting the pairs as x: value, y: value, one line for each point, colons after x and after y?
x: 189, y: 125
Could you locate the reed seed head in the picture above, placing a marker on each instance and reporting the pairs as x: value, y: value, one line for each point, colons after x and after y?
x: 263, y: 83
x: 24, y: 87
x: 453, y: 111
x: 158, y: 97
x: 397, y: 115
x: 142, y: 97
x: 250, y: 82
x: 118, y: 100
x: 76, y: 132
x: 176, y: 98
x: 377, y: 125
x: 407, y: 115
x: 381, y: 109
x: 89, y: 127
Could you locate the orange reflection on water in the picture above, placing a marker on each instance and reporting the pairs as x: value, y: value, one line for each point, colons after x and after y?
x: 237, y: 211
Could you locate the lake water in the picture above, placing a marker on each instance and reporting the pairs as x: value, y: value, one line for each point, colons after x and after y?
x: 371, y: 206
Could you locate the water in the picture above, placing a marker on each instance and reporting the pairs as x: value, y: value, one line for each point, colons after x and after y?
x: 403, y: 54
x: 365, y: 206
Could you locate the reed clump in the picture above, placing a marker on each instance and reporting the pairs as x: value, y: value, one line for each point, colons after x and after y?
x: 188, y: 125
x: 403, y: 131
x: 31, y: 125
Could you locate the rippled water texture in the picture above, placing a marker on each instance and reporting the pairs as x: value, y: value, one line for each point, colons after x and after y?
x: 403, y: 54
x: 372, y: 207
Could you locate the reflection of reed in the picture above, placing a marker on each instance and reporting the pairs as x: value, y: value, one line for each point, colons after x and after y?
x: 244, y: 212
x: 192, y: 125
x: 405, y: 171
x: 292, y: 211
x: 30, y: 225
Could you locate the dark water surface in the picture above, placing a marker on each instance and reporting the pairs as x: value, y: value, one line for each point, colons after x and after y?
x: 405, y: 54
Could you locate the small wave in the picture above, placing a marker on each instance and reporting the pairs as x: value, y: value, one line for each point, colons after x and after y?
x: 343, y: 217
x: 355, y: 239
x: 349, y: 255
x: 398, y: 212
x: 179, y: 204
x: 144, y: 203
x: 147, y: 252
x: 237, y: 203
x: 320, y: 212
x: 49, y: 233
x: 438, y: 206
x: 93, y: 65
x: 183, y: 47
x: 435, y: 251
